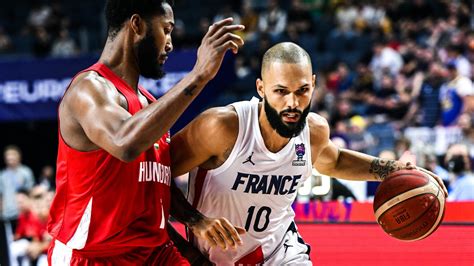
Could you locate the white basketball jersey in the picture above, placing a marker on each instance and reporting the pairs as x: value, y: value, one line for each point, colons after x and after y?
x: 253, y: 189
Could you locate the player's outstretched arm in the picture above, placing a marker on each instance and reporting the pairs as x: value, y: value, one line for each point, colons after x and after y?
x: 110, y: 127
x: 347, y: 164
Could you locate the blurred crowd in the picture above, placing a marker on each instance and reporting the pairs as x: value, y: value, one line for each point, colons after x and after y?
x: 392, y: 76
x: 24, y: 209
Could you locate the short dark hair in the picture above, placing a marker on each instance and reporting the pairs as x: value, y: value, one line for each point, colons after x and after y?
x: 12, y: 148
x: 118, y: 11
x: 285, y: 52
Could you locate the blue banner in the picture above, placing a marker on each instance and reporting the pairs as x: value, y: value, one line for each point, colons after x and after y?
x: 31, y: 89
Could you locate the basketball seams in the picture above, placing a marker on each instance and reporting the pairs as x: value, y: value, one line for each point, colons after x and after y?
x: 419, y: 174
x: 402, y: 197
x: 416, y: 218
x: 430, y: 187
x: 440, y: 198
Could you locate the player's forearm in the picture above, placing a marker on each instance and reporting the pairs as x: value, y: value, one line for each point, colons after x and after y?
x: 354, y: 165
x: 181, y: 209
x: 139, y: 132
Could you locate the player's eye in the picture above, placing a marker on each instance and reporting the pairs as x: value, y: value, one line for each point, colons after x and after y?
x: 303, y: 90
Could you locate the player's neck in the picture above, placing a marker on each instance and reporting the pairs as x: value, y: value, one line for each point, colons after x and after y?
x: 272, y: 140
x: 120, y: 60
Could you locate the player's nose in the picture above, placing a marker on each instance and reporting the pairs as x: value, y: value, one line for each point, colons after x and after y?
x: 291, y: 101
x: 169, y: 46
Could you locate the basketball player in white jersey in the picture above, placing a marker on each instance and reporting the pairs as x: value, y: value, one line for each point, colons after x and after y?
x: 247, y: 160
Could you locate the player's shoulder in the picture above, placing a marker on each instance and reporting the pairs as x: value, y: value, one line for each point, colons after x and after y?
x: 91, y: 82
x: 317, y: 122
x: 318, y: 126
x: 223, y: 116
x: 223, y: 119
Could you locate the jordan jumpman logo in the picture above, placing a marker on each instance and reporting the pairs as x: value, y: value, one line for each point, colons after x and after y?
x: 249, y: 160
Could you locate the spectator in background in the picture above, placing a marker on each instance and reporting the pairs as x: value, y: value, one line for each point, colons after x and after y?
x: 13, y: 178
x: 18, y: 246
x: 249, y: 19
x: 42, y: 42
x: 455, y: 95
x: 430, y: 162
x: 5, y: 41
x: 40, y: 15
x: 459, y: 165
x: 359, y: 138
x: 466, y: 124
x: 273, y: 20
x: 64, y: 45
x: 31, y: 239
x: 387, y: 100
x: 346, y: 15
x: 362, y: 88
x: 300, y: 17
x: 345, y: 77
x: 385, y: 61
x: 425, y: 109
x: 226, y: 12
x: 47, y: 178
x: 455, y: 56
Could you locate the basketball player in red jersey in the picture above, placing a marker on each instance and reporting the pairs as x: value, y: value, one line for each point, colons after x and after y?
x: 113, y: 166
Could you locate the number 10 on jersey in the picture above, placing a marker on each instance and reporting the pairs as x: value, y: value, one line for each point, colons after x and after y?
x: 263, y: 211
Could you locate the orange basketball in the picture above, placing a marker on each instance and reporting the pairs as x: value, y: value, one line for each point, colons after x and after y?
x: 409, y: 205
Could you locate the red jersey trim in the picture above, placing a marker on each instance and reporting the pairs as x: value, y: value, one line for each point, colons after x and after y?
x: 253, y: 258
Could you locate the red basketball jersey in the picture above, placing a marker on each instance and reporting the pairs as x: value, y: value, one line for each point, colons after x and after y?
x: 104, y: 206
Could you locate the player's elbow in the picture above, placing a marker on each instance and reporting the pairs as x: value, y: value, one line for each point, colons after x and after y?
x: 127, y: 153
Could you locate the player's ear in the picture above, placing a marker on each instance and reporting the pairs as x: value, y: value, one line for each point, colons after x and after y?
x: 260, y: 90
x: 314, y: 80
x: 138, y: 26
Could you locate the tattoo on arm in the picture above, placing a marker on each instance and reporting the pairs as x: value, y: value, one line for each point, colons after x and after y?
x: 382, y: 168
x: 189, y: 90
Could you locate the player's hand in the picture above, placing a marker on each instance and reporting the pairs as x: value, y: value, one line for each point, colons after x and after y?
x: 218, y: 232
x: 216, y: 42
x: 437, y: 178
x: 409, y: 159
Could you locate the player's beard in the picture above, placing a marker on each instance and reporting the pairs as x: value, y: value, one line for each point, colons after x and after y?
x: 147, y: 56
x: 286, y: 130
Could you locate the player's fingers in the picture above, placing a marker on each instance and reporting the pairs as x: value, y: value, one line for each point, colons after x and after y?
x: 408, y: 157
x: 218, y: 237
x: 226, y: 235
x: 437, y: 178
x: 410, y: 166
x: 225, y: 29
x: 229, y: 45
x: 240, y: 230
x: 232, y: 233
x: 216, y: 26
x: 230, y: 37
x: 210, y: 239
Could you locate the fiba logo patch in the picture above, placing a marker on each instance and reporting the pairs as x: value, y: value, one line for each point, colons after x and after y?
x: 300, y: 151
